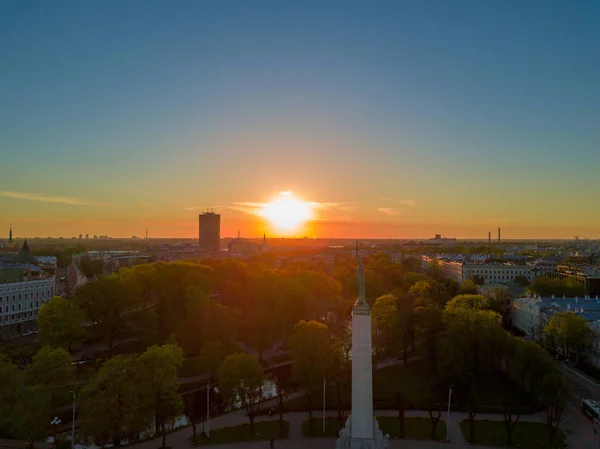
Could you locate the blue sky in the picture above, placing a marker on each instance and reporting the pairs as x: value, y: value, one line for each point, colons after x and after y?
x: 476, y: 112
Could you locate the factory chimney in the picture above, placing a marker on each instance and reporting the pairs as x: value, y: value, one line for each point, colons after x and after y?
x: 498, y: 235
x: 489, y: 238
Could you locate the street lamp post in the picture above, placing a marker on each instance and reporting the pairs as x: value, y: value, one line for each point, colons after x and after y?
x: 208, y: 409
x: 324, y: 385
x: 73, y: 424
x: 448, y: 418
x: 55, y: 422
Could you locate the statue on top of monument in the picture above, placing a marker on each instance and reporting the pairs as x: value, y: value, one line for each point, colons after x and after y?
x: 360, y: 274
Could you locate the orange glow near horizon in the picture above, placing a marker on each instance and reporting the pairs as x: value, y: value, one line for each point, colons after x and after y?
x: 287, y: 213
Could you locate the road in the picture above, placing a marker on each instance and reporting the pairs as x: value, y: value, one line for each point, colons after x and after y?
x: 579, y: 428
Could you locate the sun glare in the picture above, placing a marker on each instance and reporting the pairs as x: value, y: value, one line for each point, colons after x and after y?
x: 286, y: 212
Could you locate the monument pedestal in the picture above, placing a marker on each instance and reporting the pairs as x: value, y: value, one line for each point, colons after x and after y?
x: 347, y: 441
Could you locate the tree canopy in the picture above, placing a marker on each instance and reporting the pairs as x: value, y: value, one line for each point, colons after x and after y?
x: 60, y: 324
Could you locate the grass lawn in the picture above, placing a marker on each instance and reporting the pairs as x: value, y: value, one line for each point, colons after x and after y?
x: 411, y: 376
x: 527, y: 435
x: 414, y: 428
x: 332, y: 427
x: 299, y: 403
x: 264, y: 430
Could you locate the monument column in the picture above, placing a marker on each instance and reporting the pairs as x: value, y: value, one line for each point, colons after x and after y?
x: 361, y: 430
x: 362, y: 377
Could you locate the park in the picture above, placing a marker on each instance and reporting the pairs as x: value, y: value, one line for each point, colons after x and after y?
x: 143, y: 350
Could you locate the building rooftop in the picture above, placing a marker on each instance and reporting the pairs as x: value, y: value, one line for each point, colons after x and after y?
x: 588, y: 307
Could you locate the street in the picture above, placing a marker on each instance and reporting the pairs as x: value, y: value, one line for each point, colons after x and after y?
x: 579, y: 428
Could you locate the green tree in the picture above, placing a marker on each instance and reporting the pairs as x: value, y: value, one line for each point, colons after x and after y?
x: 53, y: 370
x: 568, y: 331
x: 110, y: 402
x: 521, y: 280
x: 430, y: 327
x: 212, y: 355
x: 310, y: 349
x: 283, y: 387
x: 547, y: 286
x: 405, y: 331
x: 104, y: 303
x: 468, y: 287
x: 474, y: 338
x: 477, y: 302
x: 10, y: 382
x: 158, y: 382
x: 384, y: 315
x: 32, y: 413
x: 240, y: 378
x: 478, y: 279
x: 339, y: 373
x: 60, y: 324
x: 531, y: 364
x: 553, y: 395
x: 499, y: 301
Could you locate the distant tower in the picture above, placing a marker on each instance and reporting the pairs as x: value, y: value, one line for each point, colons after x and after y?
x: 209, y: 231
x: 10, y: 235
x: 146, y: 234
x: 498, y: 235
x: 489, y: 238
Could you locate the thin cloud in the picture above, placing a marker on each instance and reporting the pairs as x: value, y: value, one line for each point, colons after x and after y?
x: 388, y: 211
x: 201, y: 207
x: 247, y: 207
x: 409, y: 203
x: 346, y: 206
x: 40, y: 197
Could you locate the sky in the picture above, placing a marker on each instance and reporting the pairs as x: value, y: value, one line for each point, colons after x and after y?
x: 397, y: 119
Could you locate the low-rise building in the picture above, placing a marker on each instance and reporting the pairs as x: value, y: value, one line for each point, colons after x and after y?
x: 460, y: 270
x: 438, y: 240
x: 24, y: 287
x: 588, y: 277
x: 531, y: 314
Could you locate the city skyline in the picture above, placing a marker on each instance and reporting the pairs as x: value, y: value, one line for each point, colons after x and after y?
x: 396, y: 120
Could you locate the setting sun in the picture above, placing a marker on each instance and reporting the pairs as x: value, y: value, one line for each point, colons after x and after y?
x: 286, y: 212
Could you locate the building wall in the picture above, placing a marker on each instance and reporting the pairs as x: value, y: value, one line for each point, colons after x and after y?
x: 527, y: 317
x: 493, y: 273
x: 209, y: 231
x: 20, y: 302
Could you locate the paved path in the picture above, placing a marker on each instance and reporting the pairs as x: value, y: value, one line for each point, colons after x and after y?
x: 180, y: 438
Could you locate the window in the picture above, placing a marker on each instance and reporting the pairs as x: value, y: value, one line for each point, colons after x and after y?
x: 19, y: 296
x: 13, y: 308
x: 25, y: 295
x: 37, y: 294
x: 19, y: 306
x: 31, y: 305
x: 37, y: 303
x: 13, y: 297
